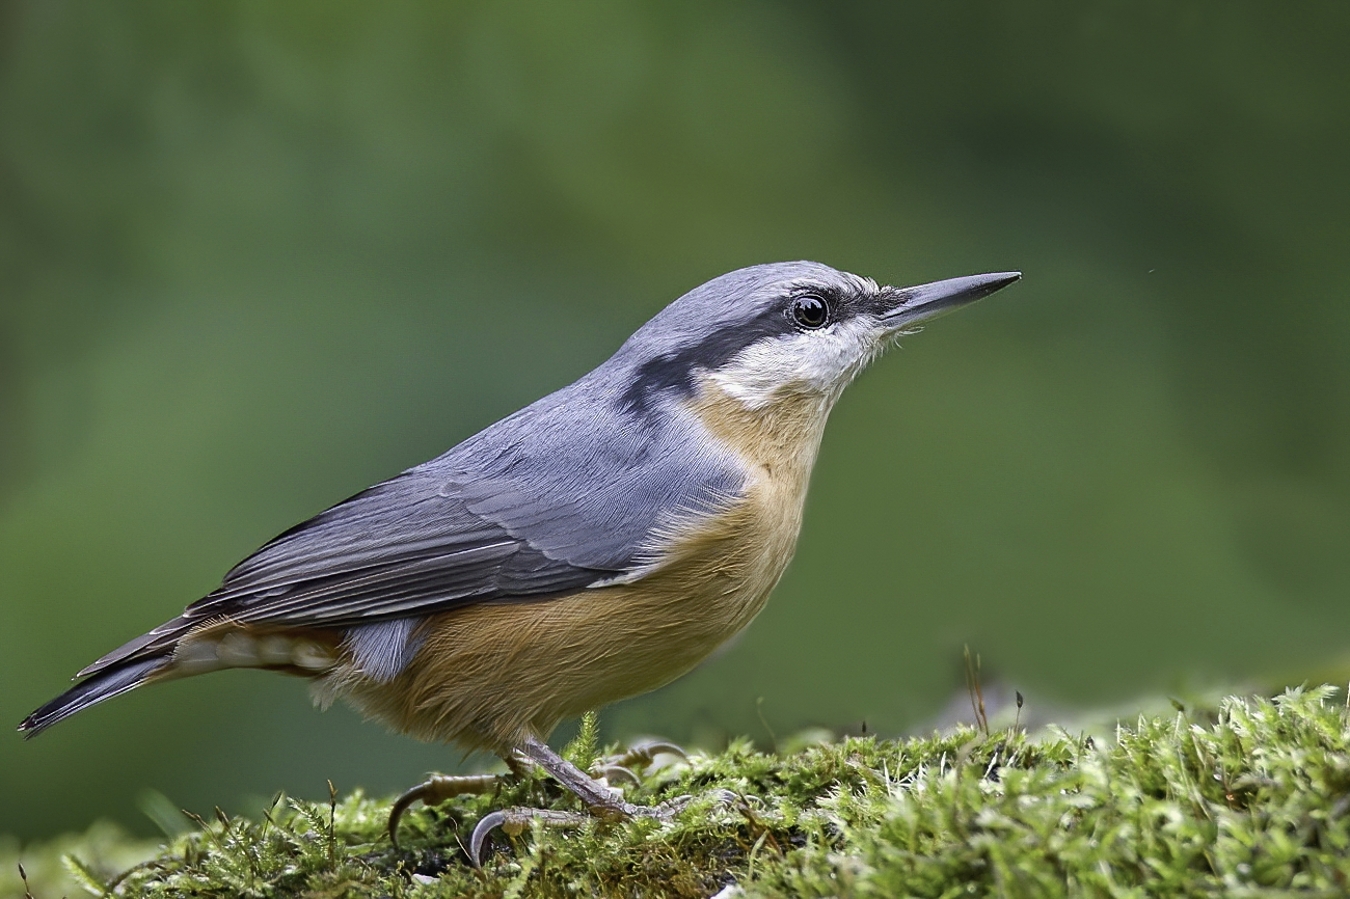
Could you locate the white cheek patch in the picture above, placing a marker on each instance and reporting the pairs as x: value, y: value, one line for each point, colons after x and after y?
x: 822, y: 362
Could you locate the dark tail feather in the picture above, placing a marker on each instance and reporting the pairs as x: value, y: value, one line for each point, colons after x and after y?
x: 104, y: 685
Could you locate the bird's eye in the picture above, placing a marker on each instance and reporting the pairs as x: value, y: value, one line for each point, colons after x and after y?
x: 810, y: 311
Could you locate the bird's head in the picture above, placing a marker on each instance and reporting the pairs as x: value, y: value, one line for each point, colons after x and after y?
x: 790, y: 327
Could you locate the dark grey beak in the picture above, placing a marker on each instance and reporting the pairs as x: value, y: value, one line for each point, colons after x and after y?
x: 919, y: 304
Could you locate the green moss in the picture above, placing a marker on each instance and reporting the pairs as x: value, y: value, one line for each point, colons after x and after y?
x: 1248, y: 799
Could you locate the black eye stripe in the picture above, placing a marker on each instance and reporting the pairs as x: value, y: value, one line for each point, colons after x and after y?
x: 676, y: 368
x: 810, y: 312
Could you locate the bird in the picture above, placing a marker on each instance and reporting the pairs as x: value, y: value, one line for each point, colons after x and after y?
x: 592, y: 546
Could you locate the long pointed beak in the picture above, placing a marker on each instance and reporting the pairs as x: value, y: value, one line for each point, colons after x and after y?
x: 918, y: 304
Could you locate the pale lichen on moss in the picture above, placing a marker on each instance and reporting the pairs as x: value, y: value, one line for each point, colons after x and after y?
x: 1250, y: 796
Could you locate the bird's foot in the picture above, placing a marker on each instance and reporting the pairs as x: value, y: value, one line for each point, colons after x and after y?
x: 603, y: 801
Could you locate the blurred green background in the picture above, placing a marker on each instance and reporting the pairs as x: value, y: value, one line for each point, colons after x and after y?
x: 256, y: 256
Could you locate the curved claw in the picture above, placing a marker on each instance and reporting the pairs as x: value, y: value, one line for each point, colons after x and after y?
x: 612, y: 773
x: 644, y: 754
x: 513, y: 821
x: 662, y: 747
x: 401, y: 805
x: 485, y: 826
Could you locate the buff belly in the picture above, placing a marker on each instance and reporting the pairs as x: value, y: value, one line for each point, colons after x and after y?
x: 487, y: 676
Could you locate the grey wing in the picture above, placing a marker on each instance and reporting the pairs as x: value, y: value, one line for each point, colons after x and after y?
x: 546, y: 502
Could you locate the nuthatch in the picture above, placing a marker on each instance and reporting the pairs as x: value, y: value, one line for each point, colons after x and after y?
x: 592, y: 546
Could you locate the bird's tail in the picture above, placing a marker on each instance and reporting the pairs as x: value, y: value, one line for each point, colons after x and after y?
x: 105, y: 684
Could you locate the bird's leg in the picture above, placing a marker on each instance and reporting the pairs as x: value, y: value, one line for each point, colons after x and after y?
x: 602, y: 801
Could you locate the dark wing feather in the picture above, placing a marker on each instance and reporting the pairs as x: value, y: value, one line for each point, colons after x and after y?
x: 401, y: 548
